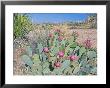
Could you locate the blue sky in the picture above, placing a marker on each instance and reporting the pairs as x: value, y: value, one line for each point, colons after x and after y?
x: 57, y: 17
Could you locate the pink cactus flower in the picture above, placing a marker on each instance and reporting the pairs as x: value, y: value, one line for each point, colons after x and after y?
x: 87, y: 43
x: 60, y: 38
x: 57, y: 31
x: 61, y: 54
x: 57, y: 64
x: 73, y: 57
x: 50, y: 35
x: 46, y: 50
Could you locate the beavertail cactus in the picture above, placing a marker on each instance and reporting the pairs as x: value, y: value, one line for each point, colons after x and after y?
x: 57, y: 48
x: 73, y: 57
x: 46, y: 50
x: 60, y: 38
x: 57, y: 64
x: 60, y: 54
x: 50, y: 35
x: 57, y: 30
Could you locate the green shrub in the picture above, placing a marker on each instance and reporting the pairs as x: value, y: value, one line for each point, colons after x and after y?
x: 22, y: 25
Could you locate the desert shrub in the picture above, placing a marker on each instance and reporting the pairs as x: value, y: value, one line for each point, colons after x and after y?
x: 22, y: 25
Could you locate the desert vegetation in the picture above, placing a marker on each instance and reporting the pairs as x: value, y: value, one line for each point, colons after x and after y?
x: 68, y: 48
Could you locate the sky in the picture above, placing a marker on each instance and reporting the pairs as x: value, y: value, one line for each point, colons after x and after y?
x: 57, y: 17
